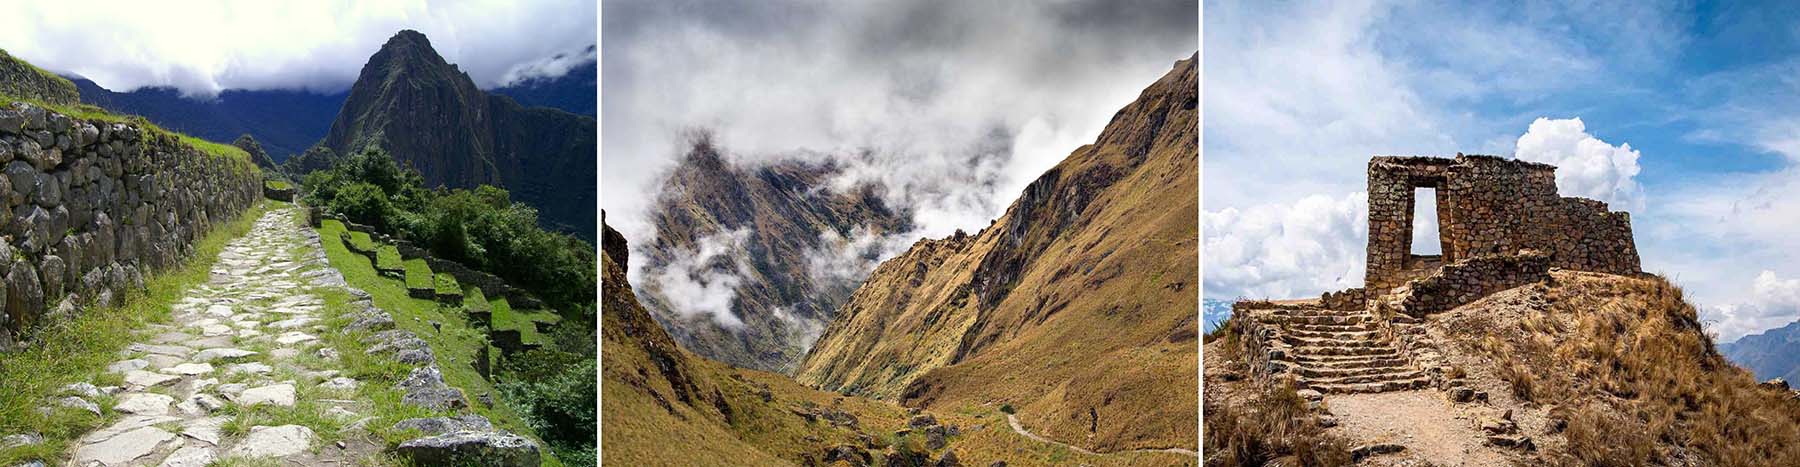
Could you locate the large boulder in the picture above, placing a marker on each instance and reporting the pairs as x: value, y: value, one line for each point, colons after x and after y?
x: 440, y: 425
x: 488, y: 448
x: 425, y: 387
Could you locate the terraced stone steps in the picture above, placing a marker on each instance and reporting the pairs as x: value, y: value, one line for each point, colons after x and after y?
x: 1336, y: 351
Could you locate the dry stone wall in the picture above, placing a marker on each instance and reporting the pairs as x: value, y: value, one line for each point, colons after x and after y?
x: 1490, y: 205
x: 1468, y: 280
x: 92, y: 206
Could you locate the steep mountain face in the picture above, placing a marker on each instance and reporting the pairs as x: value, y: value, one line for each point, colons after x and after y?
x: 286, y: 122
x: 1075, y: 307
x: 1772, y: 354
x: 257, y: 154
x: 428, y: 114
x: 761, y: 241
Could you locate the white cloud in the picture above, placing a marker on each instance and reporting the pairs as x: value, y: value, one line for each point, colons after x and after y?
x: 1772, y: 302
x: 802, y: 332
x: 703, y: 281
x: 1276, y: 251
x: 953, y: 106
x: 206, y: 46
x: 1585, y: 165
x: 848, y: 260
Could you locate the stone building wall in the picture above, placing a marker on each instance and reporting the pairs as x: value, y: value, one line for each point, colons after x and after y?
x: 92, y: 206
x: 1490, y: 205
x: 1468, y: 280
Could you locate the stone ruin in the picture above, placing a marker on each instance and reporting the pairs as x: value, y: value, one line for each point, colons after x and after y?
x: 1496, y: 218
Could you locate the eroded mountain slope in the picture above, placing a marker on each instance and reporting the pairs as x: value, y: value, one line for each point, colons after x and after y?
x: 1075, y: 307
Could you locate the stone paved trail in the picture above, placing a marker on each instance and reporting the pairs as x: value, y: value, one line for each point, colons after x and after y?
x: 234, y: 342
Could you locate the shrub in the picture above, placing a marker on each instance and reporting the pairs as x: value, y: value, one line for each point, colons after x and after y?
x: 362, y: 203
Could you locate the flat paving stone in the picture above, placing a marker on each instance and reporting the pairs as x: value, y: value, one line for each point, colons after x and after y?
x: 122, y: 449
x: 144, y: 403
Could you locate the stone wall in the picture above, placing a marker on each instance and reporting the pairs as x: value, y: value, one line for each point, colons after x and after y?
x: 1468, y: 280
x: 92, y: 206
x: 490, y: 285
x: 1489, y: 205
x: 1347, y: 299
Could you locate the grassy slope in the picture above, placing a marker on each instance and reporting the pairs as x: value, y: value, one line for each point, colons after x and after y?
x: 455, y: 345
x: 1625, y: 363
x: 79, y: 349
x: 640, y: 430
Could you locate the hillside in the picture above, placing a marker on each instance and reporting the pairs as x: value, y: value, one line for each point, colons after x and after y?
x: 1581, y: 369
x: 428, y: 114
x: 575, y: 92
x: 285, y: 122
x: 662, y: 405
x: 20, y: 79
x: 784, y: 215
x: 1075, y: 306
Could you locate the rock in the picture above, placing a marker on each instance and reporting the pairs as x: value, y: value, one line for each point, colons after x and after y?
x: 144, y: 403
x: 500, y: 449
x: 441, y: 425
x: 207, y: 402
x: 277, y: 441
x: 146, y: 379
x: 24, y: 439
x: 255, y: 368
x: 949, y: 460
x: 339, y: 384
x: 221, y: 354
x: 276, y: 394
x: 922, y: 421
x: 425, y: 387
x: 1779, y: 384
x: 1375, y: 449
x: 208, y: 430
x: 81, y: 389
x: 189, y: 456
x: 850, y: 454
x: 1461, y: 394
x: 123, y: 448
x: 128, y: 365
x: 189, y: 369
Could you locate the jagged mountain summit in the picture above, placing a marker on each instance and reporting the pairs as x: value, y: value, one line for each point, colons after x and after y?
x: 1774, y: 353
x: 428, y: 114
x: 773, y: 237
x: 1075, y: 307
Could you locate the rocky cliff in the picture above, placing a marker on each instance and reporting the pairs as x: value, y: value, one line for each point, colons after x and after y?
x: 428, y: 114
x: 1774, y: 353
x: 94, y: 204
x: 772, y: 230
x: 1076, y: 306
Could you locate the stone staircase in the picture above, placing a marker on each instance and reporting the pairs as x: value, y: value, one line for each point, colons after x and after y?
x: 1336, y: 351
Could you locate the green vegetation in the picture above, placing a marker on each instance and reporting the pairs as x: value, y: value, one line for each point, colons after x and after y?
x: 360, y: 242
x: 387, y: 258
x: 455, y: 341
x: 482, y: 228
x: 505, y: 318
x: 237, y: 158
x: 418, y: 275
x: 474, y: 301
x: 20, y: 78
x: 278, y: 184
x: 78, y: 349
x: 446, y: 285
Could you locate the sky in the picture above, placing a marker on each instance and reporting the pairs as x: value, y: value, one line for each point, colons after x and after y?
x: 1681, y: 113
x: 953, y: 106
x: 203, y: 47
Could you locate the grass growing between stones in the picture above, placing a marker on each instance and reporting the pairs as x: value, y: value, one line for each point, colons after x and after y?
x: 79, y: 349
x: 455, y: 345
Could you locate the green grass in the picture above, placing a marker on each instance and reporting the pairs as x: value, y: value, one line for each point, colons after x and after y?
x: 239, y: 160
x: 361, y: 243
x: 387, y: 258
x: 278, y: 184
x: 79, y: 349
x: 418, y: 274
x: 476, y: 302
x: 455, y: 345
x: 505, y: 318
x: 446, y: 284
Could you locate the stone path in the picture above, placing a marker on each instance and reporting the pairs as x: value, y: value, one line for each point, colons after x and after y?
x: 235, y: 342
x: 1338, y: 351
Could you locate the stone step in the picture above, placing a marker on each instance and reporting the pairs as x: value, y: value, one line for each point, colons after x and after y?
x: 1351, y: 361
x: 1304, y: 350
x: 1355, y: 335
x: 1378, y: 377
x: 1338, y: 319
x: 1331, y: 342
x: 1326, y: 372
x: 1362, y: 327
x: 1360, y: 388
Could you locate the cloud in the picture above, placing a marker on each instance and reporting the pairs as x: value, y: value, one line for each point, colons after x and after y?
x: 802, y: 332
x: 954, y: 106
x: 203, y: 47
x: 1772, y: 302
x: 1279, y: 251
x: 702, y: 282
x: 1585, y: 165
x: 848, y: 260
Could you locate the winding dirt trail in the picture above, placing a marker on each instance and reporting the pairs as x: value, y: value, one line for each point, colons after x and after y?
x: 1020, y: 429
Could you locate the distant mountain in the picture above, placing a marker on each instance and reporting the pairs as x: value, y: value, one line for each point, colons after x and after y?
x: 1077, y: 306
x: 1774, y: 353
x: 285, y: 122
x: 21, y: 79
x: 576, y: 91
x: 1213, y: 312
x: 428, y: 114
x: 786, y: 248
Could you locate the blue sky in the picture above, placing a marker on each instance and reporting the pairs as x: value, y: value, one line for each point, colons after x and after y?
x: 1688, y: 117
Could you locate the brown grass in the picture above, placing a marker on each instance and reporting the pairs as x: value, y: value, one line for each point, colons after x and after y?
x: 1260, y: 423
x: 1637, y: 378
